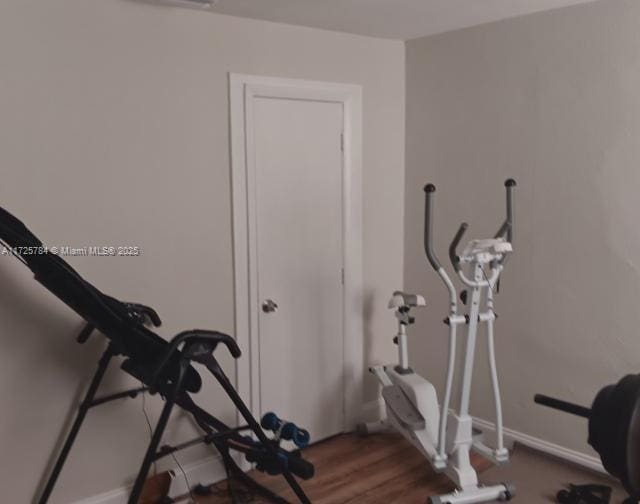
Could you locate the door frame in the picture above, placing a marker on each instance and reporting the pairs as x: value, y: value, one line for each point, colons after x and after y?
x: 242, y: 90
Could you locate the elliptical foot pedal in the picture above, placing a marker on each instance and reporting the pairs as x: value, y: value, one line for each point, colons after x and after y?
x: 404, y: 410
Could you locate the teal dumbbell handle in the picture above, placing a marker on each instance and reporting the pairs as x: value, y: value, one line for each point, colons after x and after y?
x: 292, y: 432
x: 286, y: 430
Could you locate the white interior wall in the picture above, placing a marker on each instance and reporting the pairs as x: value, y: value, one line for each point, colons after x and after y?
x: 114, y: 131
x: 552, y: 99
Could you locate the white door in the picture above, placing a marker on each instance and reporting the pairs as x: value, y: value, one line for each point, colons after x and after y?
x: 298, y: 207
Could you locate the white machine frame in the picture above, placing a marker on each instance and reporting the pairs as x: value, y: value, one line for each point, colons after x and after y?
x: 412, y: 408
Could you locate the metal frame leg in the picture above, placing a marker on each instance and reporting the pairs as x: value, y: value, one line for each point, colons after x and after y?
x: 152, y: 449
x: 212, y: 365
x: 86, y: 404
x: 234, y: 471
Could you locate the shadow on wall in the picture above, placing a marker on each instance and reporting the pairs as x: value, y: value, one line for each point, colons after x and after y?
x: 370, y: 388
x: 25, y: 311
x: 199, y: 5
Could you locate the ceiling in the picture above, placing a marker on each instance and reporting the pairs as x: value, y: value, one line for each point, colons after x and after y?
x: 394, y: 19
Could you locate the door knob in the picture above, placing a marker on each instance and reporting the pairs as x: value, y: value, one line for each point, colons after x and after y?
x: 269, y: 306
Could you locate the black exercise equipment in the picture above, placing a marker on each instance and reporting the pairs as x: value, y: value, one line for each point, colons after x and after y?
x: 164, y: 368
x: 614, y: 429
x: 585, y: 494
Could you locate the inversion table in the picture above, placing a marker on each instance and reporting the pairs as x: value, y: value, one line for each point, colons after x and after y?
x: 163, y: 367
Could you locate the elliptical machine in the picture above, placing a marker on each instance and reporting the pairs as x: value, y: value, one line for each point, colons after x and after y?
x: 446, y: 437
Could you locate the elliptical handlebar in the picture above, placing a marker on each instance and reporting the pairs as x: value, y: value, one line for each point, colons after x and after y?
x: 507, y: 225
x: 505, y: 231
x: 429, y: 189
x: 509, y: 185
x: 453, y: 253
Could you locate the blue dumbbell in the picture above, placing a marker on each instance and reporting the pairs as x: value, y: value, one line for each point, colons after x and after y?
x: 286, y: 430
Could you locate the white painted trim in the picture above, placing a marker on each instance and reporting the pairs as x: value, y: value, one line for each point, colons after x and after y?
x: 207, y: 472
x: 242, y: 88
x: 210, y: 470
x: 373, y: 411
x: 582, y: 459
x: 117, y: 496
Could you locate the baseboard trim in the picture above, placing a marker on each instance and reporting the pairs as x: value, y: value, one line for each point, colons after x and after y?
x: 373, y: 410
x: 209, y: 470
x: 576, y: 457
x: 117, y: 496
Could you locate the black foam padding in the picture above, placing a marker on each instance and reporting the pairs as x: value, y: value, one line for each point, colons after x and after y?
x: 614, y: 431
x: 301, y: 467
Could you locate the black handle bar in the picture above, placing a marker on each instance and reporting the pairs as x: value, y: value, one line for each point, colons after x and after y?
x: 193, y: 335
x: 453, y: 253
x: 507, y: 225
x: 567, y: 407
x: 429, y: 189
x: 144, y: 314
x: 213, y: 337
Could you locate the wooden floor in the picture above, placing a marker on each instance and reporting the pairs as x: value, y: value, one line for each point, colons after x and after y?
x: 379, y: 469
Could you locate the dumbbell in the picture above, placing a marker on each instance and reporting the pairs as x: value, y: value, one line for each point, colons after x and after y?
x: 285, y: 430
x: 614, y: 428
